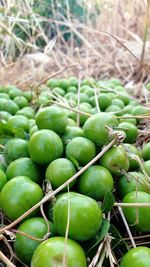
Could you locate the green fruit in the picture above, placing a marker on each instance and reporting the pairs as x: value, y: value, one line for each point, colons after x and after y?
x: 136, y: 257
x: 19, y: 121
x: 24, y: 246
x: 146, y: 151
x: 23, y: 167
x: 52, y: 118
x: 104, y: 101
x: 133, y: 181
x: 81, y: 149
x: 115, y: 160
x: 85, y: 216
x: 27, y: 112
x: 118, y: 102
x: 95, y: 181
x: 21, y: 101
x: 59, y: 171
x: 18, y: 195
x: 132, y: 150
x: 142, y: 223
x: 16, y: 148
x: 95, y: 127
x: 3, y: 179
x: 130, y: 130
x: 70, y: 133
x: 9, y: 106
x: 146, y: 165
x: 45, y: 146
x: 15, y: 92
x: 52, y: 252
x: 131, y: 120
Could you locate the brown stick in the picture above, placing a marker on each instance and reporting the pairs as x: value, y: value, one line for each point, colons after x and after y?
x: 6, y: 260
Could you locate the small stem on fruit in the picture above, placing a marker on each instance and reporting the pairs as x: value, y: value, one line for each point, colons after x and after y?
x: 128, y: 205
x: 51, y: 194
x: 127, y: 227
x: 47, y: 223
x: 96, y: 100
x: 6, y: 260
x: 27, y: 235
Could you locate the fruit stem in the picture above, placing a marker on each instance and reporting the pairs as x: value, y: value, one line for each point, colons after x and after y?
x: 127, y: 227
x: 6, y: 260
x: 128, y: 205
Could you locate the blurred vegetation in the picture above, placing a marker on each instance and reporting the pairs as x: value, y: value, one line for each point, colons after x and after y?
x: 37, y: 22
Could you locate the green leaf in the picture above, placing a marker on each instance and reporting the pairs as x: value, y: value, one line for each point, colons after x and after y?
x: 100, y: 236
x: 108, y: 202
x: 5, y: 129
x: 117, y: 239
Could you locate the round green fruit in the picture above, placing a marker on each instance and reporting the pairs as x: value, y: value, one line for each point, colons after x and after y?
x: 52, y: 118
x: 146, y: 151
x: 19, y: 121
x: 59, y: 171
x: 54, y: 251
x: 130, y: 130
x: 18, y: 195
x: 95, y: 181
x: 85, y: 216
x: 133, y: 181
x: 136, y: 257
x: 16, y: 148
x: 23, y: 167
x: 70, y: 133
x: 115, y: 160
x: 3, y: 179
x: 95, y: 127
x: 81, y: 149
x: 142, y: 223
x: 25, y: 246
x: 45, y: 146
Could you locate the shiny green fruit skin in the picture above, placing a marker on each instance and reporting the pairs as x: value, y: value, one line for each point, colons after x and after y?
x: 24, y: 246
x: 146, y: 151
x: 18, y: 195
x: 130, y: 131
x: 3, y: 179
x: 95, y: 181
x: 23, y: 167
x: 70, y: 133
x: 131, y: 149
x: 52, y: 118
x: 146, y: 165
x: 59, y: 171
x: 95, y: 127
x: 132, y: 181
x: 115, y: 160
x: 143, y: 224
x: 136, y: 257
x: 81, y: 149
x: 19, y: 121
x: 45, y: 146
x: 51, y: 253
x: 16, y: 148
x: 85, y: 216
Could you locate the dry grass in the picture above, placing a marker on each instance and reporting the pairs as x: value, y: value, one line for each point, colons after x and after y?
x: 111, y: 47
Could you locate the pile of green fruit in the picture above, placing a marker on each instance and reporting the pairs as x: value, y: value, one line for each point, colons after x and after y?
x: 50, y: 137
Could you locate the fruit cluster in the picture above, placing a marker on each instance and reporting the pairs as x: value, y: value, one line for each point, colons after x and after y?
x: 57, y: 168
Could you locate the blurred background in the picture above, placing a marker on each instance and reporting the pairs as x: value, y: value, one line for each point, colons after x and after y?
x: 106, y: 38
